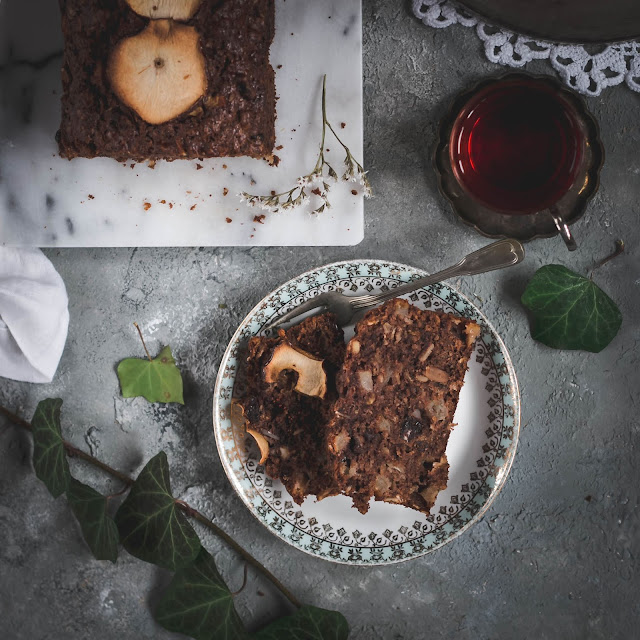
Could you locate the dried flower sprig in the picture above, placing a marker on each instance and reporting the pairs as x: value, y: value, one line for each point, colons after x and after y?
x: 319, y: 181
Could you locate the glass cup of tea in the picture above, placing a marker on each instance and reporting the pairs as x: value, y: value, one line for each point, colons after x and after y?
x: 516, y: 147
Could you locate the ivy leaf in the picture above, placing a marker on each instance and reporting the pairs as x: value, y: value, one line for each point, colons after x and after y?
x: 49, y: 458
x: 570, y: 311
x: 199, y: 604
x: 307, y: 623
x: 98, y: 528
x: 157, y: 380
x: 150, y: 523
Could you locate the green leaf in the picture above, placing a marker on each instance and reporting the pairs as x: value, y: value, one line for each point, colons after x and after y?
x: 49, y: 458
x: 199, y: 604
x: 99, y: 530
x: 157, y: 380
x: 151, y: 525
x: 570, y: 311
x: 307, y: 623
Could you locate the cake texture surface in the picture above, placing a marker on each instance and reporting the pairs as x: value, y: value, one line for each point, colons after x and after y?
x: 277, y: 406
x: 398, y: 391
x: 140, y: 88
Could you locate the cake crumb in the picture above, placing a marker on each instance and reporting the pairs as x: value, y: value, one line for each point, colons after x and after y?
x: 171, y: 205
x: 279, y: 66
x: 224, y: 166
x: 192, y: 207
x: 354, y: 192
x: 152, y: 164
x: 198, y: 166
x: 91, y: 197
x: 163, y: 202
x: 229, y: 220
x: 343, y: 125
x: 259, y: 219
x: 279, y: 147
x: 132, y: 165
x: 225, y: 191
x: 147, y: 206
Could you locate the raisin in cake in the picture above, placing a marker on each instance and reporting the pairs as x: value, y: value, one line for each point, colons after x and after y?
x: 397, y: 394
x: 146, y: 80
x: 289, y: 401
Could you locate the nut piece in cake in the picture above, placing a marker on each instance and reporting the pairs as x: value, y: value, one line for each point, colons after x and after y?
x: 160, y: 72
x: 174, y: 9
x: 312, y: 379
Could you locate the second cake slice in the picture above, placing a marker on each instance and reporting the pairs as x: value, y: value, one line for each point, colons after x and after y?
x: 397, y: 394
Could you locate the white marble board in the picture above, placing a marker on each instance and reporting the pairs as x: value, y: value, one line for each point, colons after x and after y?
x: 48, y: 201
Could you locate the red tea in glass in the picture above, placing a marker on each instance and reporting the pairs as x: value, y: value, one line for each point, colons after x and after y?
x: 516, y: 146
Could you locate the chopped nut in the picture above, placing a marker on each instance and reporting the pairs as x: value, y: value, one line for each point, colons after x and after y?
x: 340, y: 442
x: 366, y: 380
x: 312, y: 379
x: 284, y: 453
x: 382, y: 484
x: 472, y: 331
x: 430, y: 494
x: 371, y: 398
x: 437, y: 375
x: 426, y: 353
x: 384, y: 425
x: 354, y: 347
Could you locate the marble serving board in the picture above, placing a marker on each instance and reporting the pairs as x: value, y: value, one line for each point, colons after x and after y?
x: 48, y: 201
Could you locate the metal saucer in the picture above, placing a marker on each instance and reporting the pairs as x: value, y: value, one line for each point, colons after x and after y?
x: 522, y: 227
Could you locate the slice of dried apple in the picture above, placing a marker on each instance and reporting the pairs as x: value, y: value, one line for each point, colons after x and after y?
x: 174, y: 9
x: 263, y: 445
x: 160, y: 72
x: 312, y: 379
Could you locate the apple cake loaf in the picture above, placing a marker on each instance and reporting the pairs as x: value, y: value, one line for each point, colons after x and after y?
x: 289, y: 400
x: 167, y: 79
x: 397, y: 394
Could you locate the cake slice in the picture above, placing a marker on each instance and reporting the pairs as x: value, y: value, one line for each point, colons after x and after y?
x: 397, y: 394
x: 289, y: 401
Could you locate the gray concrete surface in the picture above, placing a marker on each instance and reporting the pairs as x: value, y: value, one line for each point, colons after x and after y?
x: 554, y: 557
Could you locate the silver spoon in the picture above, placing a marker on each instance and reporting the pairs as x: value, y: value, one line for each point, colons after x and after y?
x: 500, y: 254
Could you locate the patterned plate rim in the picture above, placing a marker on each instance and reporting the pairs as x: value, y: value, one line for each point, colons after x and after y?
x: 510, y: 390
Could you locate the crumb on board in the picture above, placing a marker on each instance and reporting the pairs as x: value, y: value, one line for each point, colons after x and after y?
x: 343, y: 125
x: 192, y: 207
x: 316, y: 191
x: 279, y: 66
x: 276, y: 160
x: 171, y: 205
x: 260, y: 218
x: 279, y: 147
x: 152, y: 164
x: 91, y: 197
x: 229, y: 220
x: 132, y: 165
x: 225, y: 191
x: 163, y: 202
x: 147, y: 206
x: 273, y: 193
x: 198, y: 166
x: 224, y: 166
x: 354, y: 192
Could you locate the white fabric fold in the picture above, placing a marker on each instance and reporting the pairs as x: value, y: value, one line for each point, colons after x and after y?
x: 34, y: 315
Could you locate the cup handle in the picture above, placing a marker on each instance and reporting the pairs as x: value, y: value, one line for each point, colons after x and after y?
x: 563, y: 228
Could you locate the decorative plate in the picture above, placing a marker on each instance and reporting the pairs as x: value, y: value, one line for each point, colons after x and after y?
x: 480, y: 450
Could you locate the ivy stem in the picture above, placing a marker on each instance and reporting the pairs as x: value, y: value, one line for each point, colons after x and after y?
x: 619, y: 249
x: 196, y: 515
x: 189, y: 510
x: 72, y: 452
x: 135, y: 324
x: 244, y: 580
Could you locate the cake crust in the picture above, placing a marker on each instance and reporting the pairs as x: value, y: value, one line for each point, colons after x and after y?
x: 235, y: 116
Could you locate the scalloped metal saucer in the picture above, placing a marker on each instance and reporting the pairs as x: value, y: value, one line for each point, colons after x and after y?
x: 491, y: 224
x: 481, y: 448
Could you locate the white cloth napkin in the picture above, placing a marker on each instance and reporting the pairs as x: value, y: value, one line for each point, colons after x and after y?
x: 34, y: 315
